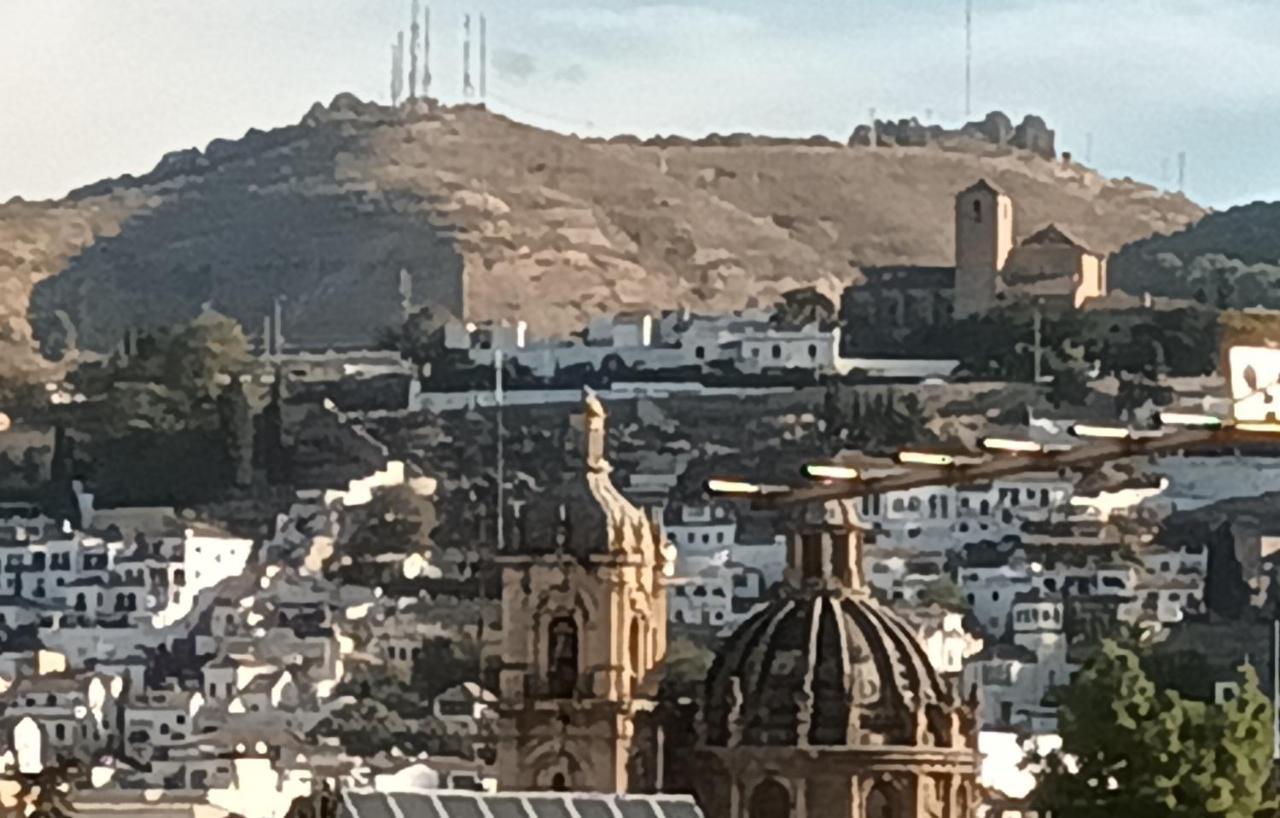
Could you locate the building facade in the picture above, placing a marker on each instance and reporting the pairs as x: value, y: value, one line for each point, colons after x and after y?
x: 824, y: 703
x: 584, y: 622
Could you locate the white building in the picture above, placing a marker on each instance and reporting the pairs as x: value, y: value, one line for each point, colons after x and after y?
x: 705, y: 599
x: 466, y: 708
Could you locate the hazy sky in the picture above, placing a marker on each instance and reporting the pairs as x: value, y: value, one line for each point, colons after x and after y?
x: 95, y: 88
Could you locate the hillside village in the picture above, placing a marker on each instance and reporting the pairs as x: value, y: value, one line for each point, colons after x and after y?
x: 363, y: 530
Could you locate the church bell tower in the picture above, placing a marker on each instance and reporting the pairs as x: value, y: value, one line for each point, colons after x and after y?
x: 584, y: 624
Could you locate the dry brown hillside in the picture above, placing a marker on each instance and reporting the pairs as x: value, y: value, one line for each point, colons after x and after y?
x: 500, y: 219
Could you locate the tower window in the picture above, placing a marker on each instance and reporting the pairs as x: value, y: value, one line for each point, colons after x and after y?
x: 769, y: 800
x: 562, y: 657
x: 977, y: 211
x: 811, y: 555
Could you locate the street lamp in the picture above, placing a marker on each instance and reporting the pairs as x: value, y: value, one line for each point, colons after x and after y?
x: 821, y: 471
x: 925, y: 458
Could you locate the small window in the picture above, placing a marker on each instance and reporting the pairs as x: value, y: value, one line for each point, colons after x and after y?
x: 813, y: 351
x: 977, y: 211
x: 700, y: 353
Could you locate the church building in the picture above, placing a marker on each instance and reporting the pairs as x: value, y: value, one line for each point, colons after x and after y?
x: 991, y: 269
x: 822, y: 703
x: 584, y: 614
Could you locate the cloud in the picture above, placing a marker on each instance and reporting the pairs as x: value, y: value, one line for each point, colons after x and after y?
x: 514, y: 65
x: 574, y: 74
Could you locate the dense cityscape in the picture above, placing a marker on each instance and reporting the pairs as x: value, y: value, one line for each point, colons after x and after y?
x: 413, y: 461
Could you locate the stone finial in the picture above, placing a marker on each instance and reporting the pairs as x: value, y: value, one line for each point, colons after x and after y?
x: 593, y: 415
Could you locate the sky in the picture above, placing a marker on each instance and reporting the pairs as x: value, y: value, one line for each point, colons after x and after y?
x: 96, y: 88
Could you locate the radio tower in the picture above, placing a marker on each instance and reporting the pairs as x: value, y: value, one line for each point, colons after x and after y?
x: 397, y: 68
x: 968, y: 58
x: 467, y: 89
x: 484, y: 56
x: 426, y: 52
x: 413, y: 51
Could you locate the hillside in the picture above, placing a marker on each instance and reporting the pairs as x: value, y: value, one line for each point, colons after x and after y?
x: 500, y: 219
x: 1230, y: 258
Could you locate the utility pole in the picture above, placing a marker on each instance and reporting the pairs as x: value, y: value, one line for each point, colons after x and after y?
x: 1035, y: 329
x: 278, y: 316
x: 502, y: 476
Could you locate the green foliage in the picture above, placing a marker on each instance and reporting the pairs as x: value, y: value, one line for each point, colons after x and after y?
x: 1144, y: 342
x: 396, y: 520
x: 388, y: 713
x: 803, y: 306
x: 421, y: 338
x: 944, y: 592
x: 684, y: 669
x: 1132, y: 749
x: 195, y: 360
x: 445, y: 663
x: 879, y: 422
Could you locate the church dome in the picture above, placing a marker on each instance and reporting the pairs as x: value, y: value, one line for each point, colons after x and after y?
x: 825, y: 668
x: 823, y: 664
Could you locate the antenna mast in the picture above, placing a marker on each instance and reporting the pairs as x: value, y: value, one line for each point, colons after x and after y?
x: 484, y: 55
x: 968, y: 58
x: 426, y: 52
x: 413, y: 51
x: 395, y: 75
x: 1182, y: 171
x: 467, y: 88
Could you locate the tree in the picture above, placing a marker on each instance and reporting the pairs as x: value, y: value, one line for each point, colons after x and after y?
x: 1130, y: 748
x: 445, y: 663
x: 803, y: 306
x: 421, y: 338
x: 945, y: 592
x: 195, y: 358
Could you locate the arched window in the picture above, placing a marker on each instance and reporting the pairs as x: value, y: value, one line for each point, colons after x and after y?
x: 882, y: 801
x: 562, y: 657
x: 769, y: 800
x: 633, y: 650
x: 558, y: 783
x: 977, y: 217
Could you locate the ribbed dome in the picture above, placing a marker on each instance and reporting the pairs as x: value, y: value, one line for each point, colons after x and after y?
x: 825, y: 667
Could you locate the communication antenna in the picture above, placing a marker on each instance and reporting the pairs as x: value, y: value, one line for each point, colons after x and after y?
x: 484, y: 55
x: 1182, y: 171
x: 968, y: 58
x: 467, y: 88
x: 426, y: 52
x: 413, y: 51
x: 396, y: 77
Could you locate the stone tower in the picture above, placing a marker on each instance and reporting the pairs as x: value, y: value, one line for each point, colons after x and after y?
x: 984, y: 239
x: 584, y: 622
